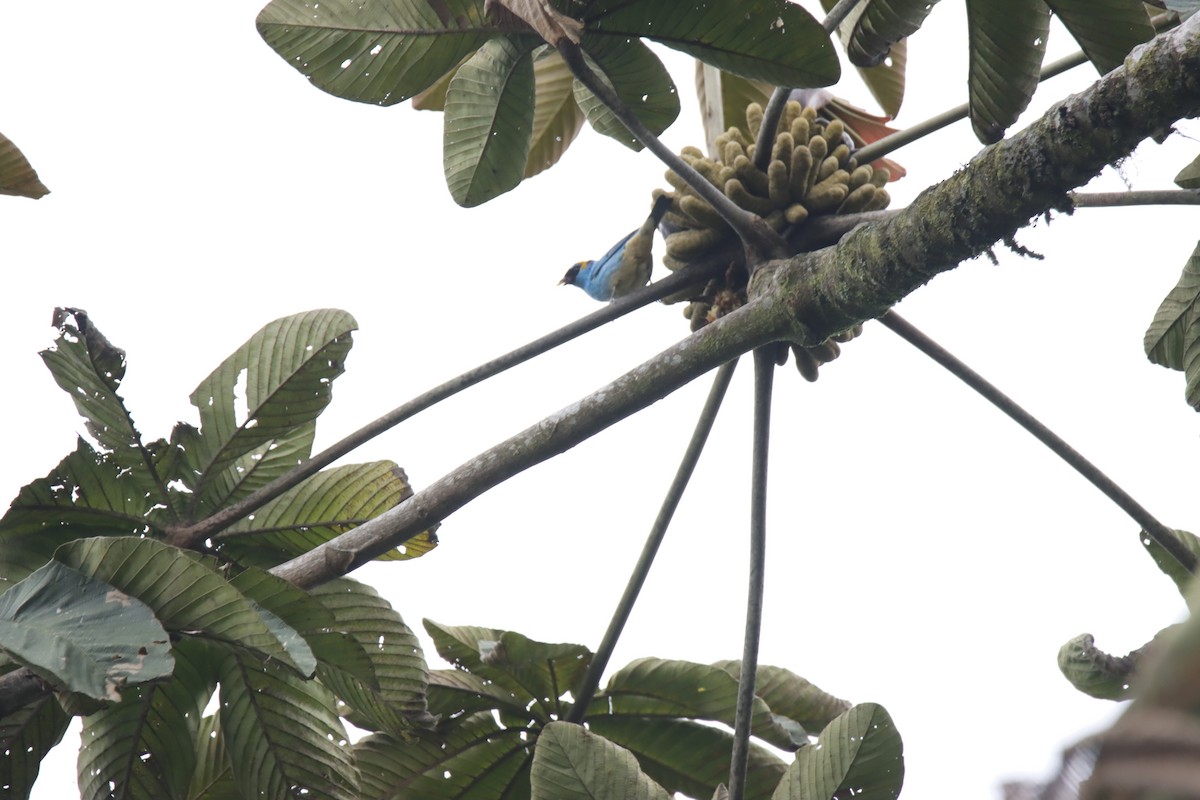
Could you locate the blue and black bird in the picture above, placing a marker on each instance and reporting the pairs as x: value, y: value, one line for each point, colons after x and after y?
x: 624, y: 268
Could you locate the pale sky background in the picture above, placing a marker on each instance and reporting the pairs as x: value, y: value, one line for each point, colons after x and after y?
x: 924, y: 552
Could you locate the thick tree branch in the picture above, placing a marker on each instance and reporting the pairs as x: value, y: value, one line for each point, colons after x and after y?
x: 811, y: 296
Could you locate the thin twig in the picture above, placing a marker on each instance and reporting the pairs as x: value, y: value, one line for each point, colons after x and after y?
x: 764, y: 372
x: 1160, y: 533
x: 760, y: 241
x: 1158, y: 197
x: 191, y: 535
x: 658, y: 531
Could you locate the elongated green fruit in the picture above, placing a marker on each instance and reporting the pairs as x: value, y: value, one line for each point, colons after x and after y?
x: 687, y: 245
x: 754, y: 118
x: 736, y: 192
x: 802, y: 165
x: 751, y: 176
x: 860, y: 176
x: 699, y: 210
x: 778, y: 185
x: 826, y: 197
x: 858, y: 199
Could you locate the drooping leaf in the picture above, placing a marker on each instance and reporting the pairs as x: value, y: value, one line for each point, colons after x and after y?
x: 284, y: 373
x: 790, y: 695
x: 1008, y: 42
x: 213, y: 778
x: 1178, y: 574
x: 396, y: 701
x: 1173, y: 338
x: 282, y: 735
x: 319, y: 509
x: 469, y: 757
x: 380, y: 52
x: 774, y: 40
x: 1094, y: 672
x: 489, y: 121
x: 26, y: 736
x: 859, y: 754
x: 557, y: 118
x: 17, y: 175
x: 82, y: 634
x: 146, y: 744
x: 655, y: 687
x: 292, y: 604
x: 187, y: 596
x: 641, y: 81
x: 689, y: 757
x: 1105, y: 29
x: 885, y: 79
x: 82, y: 496
x: 572, y: 763
x: 870, y: 30
x: 1189, y: 176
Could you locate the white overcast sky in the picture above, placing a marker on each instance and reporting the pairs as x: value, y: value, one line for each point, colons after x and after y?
x: 924, y: 552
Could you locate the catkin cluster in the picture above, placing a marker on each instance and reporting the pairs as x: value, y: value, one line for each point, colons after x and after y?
x: 812, y: 171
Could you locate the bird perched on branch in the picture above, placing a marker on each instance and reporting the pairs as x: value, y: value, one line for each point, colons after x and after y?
x: 624, y: 268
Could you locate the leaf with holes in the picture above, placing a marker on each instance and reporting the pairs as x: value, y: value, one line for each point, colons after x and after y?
x: 1008, y: 42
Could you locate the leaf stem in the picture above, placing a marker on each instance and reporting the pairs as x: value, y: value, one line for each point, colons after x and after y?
x: 1160, y: 533
x: 1160, y: 197
x: 764, y: 372
x: 658, y: 531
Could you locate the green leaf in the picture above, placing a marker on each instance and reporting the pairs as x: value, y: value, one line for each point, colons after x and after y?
x: 557, y: 118
x: 637, y: 76
x: 26, y: 736
x: 534, y: 672
x: 321, y: 508
x: 187, y: 596
x: 774, y: 40
x: 489, y: 121
x: 453, y: 693
x: 17, y: 175
x: 292, y: 604
x: 82, y: 496
x: 1179, y: 574
x: 1105, y: 29
x: 885, y: 80
x: 282, y: 734
x: 870, y: 30
x: 1008, y: 42
x: 395, y: 702
x: 571, y: 762
x: 213, y: 778
x: 81, y: 633
x: 1173, y: 338
x: 285, y: 375
x: 1094, y: 672
x: 1189, y: 176
x: 469, y: 757
x: 791, y: 696
x: 859, y: 754
x: 380, y: 52
x: 146, y: 744
x: 250, y: 471
x: 689, y: 757
x: 666, y: 688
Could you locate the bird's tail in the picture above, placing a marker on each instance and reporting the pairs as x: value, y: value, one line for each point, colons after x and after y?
x: 662, y: 204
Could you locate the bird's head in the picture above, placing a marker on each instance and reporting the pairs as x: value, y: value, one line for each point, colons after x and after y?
x: 572, y: 276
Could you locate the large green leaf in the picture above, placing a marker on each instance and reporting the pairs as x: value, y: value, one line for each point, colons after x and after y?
x: 26, y: 736
x: 395, y: 701
x: 187, y: 596
x: 470, y: 757
x: 1173, y: 338
x: 572, y: 763
x: 874, y: 26
x: 284, y: 373
x: 1179, y: 574
x: 81, y: 633
x: 1008, y: 41
x: 641, y: 81
x: 379, y: 52
x: 282, y: 735
x: 773, y: 40
x: 1105, y: 29
x: 321, y: 508
x: 655, y: 687
x: 17, y: 175
x: 859, y: 754
x: 557, y: 118
x: 1094, y: 672
x: 489, y: 121
x: 455, y: 692
x: 689, y: 757
x: 82, y: 496
x: 250, y: 471
x: 538, y: 674
x: 885, y: 79
x: 145, y: 746
x: 791, y: 696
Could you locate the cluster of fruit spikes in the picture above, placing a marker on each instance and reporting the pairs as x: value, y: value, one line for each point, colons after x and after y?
x: 812, y: 171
